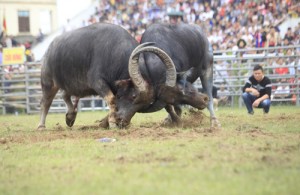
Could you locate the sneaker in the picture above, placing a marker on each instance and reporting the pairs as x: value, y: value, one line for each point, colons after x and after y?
x: 251, y: 113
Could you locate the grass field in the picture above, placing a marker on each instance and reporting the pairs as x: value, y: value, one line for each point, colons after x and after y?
x: 249, y: 155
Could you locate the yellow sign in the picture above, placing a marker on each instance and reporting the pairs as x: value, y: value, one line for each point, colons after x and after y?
x: 13, y: 55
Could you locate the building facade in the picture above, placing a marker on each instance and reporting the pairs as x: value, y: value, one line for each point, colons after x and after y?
x: 25, y: 18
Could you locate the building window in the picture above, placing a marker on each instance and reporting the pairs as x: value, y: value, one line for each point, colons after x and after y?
x: 24, y: 24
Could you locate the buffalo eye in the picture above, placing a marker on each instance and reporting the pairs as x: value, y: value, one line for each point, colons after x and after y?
x: 192, y: 92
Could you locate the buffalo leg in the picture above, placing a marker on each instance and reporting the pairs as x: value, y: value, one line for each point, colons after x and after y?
x: 72, y: 109
x: 173, y: 117
x: 178, y: 110
x: 207, y: 84
x: 110, y: 100
x: 104, y: 91
x: 48, y: 96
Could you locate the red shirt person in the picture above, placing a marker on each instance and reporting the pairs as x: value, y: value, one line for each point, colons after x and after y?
x: 282, y: 69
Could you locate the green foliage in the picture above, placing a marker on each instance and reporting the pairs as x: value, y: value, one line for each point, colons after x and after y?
x: 250, y: 155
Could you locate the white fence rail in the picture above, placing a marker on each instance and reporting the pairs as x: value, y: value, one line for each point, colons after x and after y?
x: 233, y: 68
x: 21, y: 89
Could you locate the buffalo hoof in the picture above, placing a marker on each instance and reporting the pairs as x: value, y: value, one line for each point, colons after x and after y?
x: 215, y: 124
x: 168, y: 122
x: 113, y: 125
x: 41, y: 127
x: 123, y: 124
x: 104, y: 123
x: 70, y: 118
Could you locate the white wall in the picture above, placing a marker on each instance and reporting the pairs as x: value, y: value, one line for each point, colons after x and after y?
x: 68, y: 9
x: 40, y: 49
x: 291, y: 22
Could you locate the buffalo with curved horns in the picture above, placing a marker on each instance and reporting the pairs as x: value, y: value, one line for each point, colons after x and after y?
x: 189, y: 49
x: 102, y: 59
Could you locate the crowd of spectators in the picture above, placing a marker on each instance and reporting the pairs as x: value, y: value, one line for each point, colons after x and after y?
x: 230, y: 24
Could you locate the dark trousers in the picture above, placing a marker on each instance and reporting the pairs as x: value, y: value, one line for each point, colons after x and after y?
x: 249, y: 99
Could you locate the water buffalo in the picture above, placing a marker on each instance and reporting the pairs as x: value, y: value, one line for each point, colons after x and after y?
x: 94, y: 61
x: 102, y: 59
x: 189, y: 49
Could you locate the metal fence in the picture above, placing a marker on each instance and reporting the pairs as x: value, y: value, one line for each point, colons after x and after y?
x: 21, y: 89
x: 233, y: 68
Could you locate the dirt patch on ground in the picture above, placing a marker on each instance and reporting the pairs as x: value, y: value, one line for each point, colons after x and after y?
x: 192, y: 119
x: 155, y: 133
x: 194, y: 125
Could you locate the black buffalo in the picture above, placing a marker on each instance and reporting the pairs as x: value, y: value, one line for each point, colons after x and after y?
x: 188, y: 47
x: 102, y: 59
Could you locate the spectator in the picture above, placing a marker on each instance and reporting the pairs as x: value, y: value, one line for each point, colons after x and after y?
x: 258, y: 36
x: 257, y: 91
x: 40, y: 36
x: 289, y: 35
x: 297, y: 29
x: 241, y: 43
x: 68, y: 26
x: 290, y: 61
x: 8, y: 41
x: 282, y: 90
x: 7, y: 77
x: 272, y: 38
x: 1, y: 55
x: 175, y: 17
x: 223, y: 95
x: 281, y: 68
x: 264, y: 36
x: 215, y: 47
x: 286, y: 42
x: 191, y: 17
x: 247, y: 36
x: 92, y: 20
x: 83, y: 23
x: 103, y: 18
x: 294, y: 83
x: 28, y: 53
x: 221, y: 71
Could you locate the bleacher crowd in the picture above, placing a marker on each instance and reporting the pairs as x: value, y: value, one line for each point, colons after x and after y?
x: 229, y: 23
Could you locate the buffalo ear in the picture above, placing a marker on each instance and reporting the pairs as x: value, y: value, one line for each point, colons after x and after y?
x: 125, y: 83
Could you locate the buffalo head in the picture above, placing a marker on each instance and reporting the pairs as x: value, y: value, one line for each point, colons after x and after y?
x: 139, y: 95
x: 136, y: 93
x: 183, y: 93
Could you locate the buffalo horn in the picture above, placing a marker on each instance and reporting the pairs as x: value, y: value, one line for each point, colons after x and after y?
x: 134, y: 69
